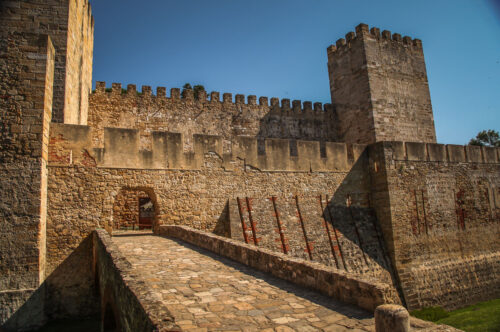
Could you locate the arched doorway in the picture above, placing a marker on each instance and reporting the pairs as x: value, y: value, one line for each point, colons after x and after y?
x: 134, y: 209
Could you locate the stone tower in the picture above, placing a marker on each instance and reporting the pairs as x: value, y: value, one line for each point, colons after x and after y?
x: 379, y: 88
x: 70, y: 25
x: 45, y: 68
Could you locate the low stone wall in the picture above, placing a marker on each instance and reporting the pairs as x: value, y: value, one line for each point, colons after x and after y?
x: 341, y: 285
x: 315, y: 229
x: 120, y: 293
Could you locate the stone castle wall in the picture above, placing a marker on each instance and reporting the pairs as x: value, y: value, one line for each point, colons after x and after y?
x: 411, y: 189
x: 437, y: 206
x: 79, y: 54
x: 227, y: 118
x: 190, y: 190
x: 26, y: 82
x: 440, y: 211
x: 380, y: 78
x: 326, y: 231
x: 72, y: 144
x: 33, y: 40
x: 70, y: 27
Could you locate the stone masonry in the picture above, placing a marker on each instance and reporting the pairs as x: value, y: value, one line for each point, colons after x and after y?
x: 354, y: 188
x: 445, y: 220
x: 388, y: 73
x: 70, y: 26
x: 225, y: 295
x: 26, y: 106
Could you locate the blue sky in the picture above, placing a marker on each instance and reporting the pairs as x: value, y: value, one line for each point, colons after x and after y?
x: 277, y: 48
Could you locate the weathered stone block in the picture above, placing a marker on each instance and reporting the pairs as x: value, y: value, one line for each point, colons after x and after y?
x: 456, y: 153
x: 490, y: 155
x: 437, y: 152
x: 416, y: 151
x: 121, y: 147
x: 474, y: 154
x: 277, y: 154
x: 391, y: 317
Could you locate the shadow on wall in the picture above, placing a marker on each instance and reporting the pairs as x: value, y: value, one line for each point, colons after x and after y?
x: 69, y: 292
x: 356, y: 233
x: 296, y: 124
x: 338, y: 229
x: 222, y: 227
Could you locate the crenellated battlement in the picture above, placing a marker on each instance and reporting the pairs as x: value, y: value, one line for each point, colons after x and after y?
x: 359, y: 184
x: 363, y: 31
x: 284, y: 105
x: 449, y: 153
x: 72, y: 145
x: 378, y: 84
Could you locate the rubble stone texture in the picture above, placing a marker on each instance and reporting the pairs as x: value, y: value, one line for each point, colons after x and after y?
x: 359, y: 186
x: 230, y: 296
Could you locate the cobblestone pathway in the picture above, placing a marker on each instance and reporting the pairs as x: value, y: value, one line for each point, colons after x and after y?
x: 205, y: 292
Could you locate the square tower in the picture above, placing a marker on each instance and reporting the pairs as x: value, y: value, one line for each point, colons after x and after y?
x: 379, y: 88
x: 70, y: 25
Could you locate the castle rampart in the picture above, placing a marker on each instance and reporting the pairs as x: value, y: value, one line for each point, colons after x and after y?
x: 423, y: 179
x: 228, y: 118
x: 439, y: 207
x: 72, y: 145
x: 380, y: 78
x: 364, y: 171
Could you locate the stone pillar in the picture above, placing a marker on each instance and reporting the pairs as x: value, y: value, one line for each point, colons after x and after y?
x: 391, y: 317
x: 26, y: 107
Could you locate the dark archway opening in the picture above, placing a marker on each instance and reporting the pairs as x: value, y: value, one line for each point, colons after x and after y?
x: 134, y: 209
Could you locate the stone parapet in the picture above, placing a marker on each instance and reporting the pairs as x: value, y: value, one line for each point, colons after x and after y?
x: 451, y: 153
x: 122, y: 302
x: 72, y: 145
x: 284, y: 105
x: 362, y: 30
x: 341, y: 285
x: 219, y: 114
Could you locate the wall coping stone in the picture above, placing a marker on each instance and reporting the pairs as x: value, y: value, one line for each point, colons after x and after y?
x: 341, y: 285
x: 155, y: 313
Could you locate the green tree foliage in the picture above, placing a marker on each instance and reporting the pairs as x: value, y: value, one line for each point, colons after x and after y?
x: 197, y: 90
x: 186, y: 87
x: 488, y: 137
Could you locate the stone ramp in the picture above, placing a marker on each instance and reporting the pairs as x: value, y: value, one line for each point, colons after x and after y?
x: 205, y: 292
